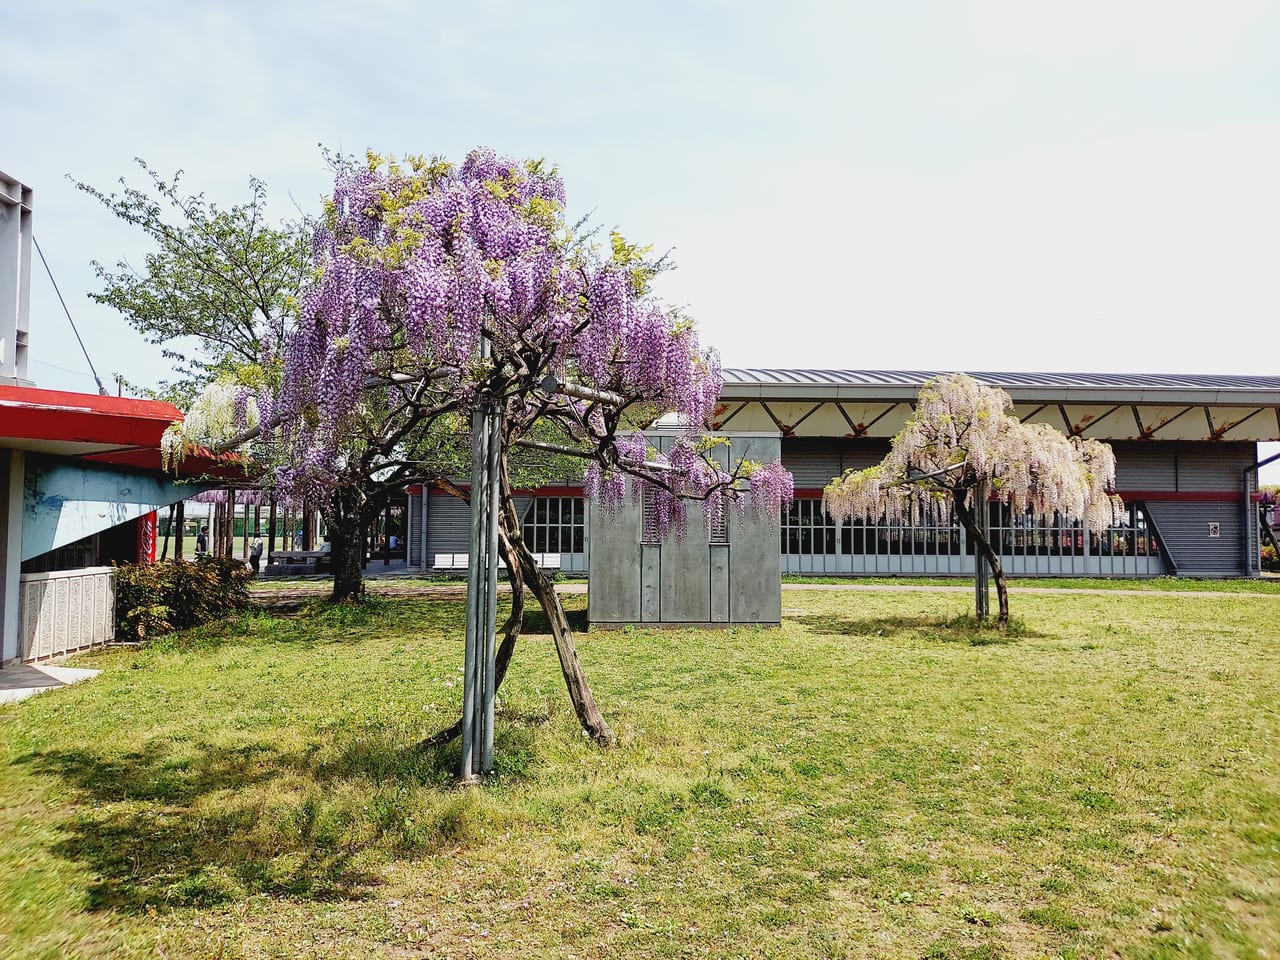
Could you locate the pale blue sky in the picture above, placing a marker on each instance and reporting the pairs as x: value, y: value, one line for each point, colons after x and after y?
x: 1008, y: 185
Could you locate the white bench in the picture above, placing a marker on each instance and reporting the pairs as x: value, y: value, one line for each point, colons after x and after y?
x: 458, y: 561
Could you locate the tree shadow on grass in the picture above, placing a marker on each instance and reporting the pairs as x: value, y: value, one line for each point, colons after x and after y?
x: 535, y: 621
x: 962, y: 629
x: 176, y: 826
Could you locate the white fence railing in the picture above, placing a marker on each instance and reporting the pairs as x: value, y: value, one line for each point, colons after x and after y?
x: 66, y: 611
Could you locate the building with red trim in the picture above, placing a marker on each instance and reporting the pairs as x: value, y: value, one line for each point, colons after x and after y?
x: 81, y: 479
x: 1186, y: 450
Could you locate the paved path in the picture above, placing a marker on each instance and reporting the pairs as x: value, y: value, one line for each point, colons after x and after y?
x: 22, y: 680
x: 389, y: 587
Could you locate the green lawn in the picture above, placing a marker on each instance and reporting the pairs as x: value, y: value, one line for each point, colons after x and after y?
x: 1267, y: 584
x: 875, y: 779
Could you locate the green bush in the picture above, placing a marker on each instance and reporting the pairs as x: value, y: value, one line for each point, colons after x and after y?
x: 157, y: 598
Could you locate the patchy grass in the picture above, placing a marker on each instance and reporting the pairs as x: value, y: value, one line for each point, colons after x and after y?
x: 878, y: 778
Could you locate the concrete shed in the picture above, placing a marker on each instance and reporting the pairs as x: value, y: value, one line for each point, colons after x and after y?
x: 733, y: 576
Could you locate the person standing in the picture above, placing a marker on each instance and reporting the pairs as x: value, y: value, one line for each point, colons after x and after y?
x: 255, y: 553
x: 202, y: 542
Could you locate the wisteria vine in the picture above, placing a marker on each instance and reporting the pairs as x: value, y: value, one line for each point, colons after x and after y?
x: 435, y: 284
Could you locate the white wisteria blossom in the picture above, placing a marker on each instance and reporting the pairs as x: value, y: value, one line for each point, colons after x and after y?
x: 964, y: 445
x: 221, y: 415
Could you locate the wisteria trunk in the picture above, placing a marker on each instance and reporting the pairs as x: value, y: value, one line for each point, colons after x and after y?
x: 965, y: 514
x: 584, y: 703
x: 346, y: 534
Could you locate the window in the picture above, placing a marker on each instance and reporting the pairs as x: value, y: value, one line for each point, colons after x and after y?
x: 807, y: 529
x: 931, y: 530
x: 556, y: 525
x: 1025, y: 534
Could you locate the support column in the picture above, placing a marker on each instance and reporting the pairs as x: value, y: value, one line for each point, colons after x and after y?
x: 12, y: 482
x: 479, y: 684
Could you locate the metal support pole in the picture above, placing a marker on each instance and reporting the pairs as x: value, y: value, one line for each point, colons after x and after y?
x: 981, y: 573
x: 490, y: 688
x: 470, y: 657
x: 479, y: 658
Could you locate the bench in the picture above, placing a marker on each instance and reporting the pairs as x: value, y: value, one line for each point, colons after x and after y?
x: 296, y: 562
x: 450, y: 562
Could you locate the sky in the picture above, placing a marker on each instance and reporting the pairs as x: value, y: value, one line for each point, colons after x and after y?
x: 923, y: 184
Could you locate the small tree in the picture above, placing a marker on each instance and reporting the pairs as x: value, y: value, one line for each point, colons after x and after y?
x: 963, y: 445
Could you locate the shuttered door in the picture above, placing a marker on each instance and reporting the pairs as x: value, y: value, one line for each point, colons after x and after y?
x: 413, y: 524
x: 1184, y: 528
x: 448, y: 526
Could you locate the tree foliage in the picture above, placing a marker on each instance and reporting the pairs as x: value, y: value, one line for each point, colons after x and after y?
x: 440, y: 287
x: 964, y: 445
x: 219, y: 281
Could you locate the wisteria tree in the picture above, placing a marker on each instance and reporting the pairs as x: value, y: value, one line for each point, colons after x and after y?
x: 438, y: 287
x: 963, y: 445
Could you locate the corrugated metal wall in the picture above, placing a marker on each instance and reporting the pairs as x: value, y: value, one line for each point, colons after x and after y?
x: 815, y: 463
x: 1182, y: 466
x: 448, y: 526
x: 1201, y: 517
x: 1145, y: 466
x: 1185, y: 529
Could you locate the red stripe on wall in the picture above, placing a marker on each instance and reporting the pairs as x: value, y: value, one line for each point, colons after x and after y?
x: 1165, y: 496
x: 563, y: 491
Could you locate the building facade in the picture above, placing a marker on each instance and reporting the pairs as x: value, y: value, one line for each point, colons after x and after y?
x: 1186, y: 451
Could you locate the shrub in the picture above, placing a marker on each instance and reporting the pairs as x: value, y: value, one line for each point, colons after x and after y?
x: 1269, y: 559
x: 157, y: 598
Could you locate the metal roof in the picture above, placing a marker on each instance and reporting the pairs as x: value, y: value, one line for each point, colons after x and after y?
x: 1005, y: 380
x: 1022, y: 387
x: 873, y: 403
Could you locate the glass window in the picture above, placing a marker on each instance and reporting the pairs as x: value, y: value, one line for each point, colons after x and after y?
x: 555, y: 525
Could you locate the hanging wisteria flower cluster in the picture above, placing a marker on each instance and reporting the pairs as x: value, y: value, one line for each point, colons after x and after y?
x: 963, y: 434
x: 438, y: 284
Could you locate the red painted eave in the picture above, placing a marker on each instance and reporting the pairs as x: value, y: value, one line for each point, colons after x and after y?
x: 29, y: 413
x: 122, y: 431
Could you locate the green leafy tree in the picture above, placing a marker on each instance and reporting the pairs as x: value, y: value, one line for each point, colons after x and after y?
x: 219, y: 283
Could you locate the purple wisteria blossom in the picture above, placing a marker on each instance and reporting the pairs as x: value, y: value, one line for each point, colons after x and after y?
x: 436, y: 285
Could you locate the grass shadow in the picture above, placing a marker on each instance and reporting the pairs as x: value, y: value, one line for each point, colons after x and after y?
x: 964, y: 629
x: 176, y: 825
x: 150, y: 832
x: 535, y: 621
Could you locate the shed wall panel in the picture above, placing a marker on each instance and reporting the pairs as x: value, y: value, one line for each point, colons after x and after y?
x: 617, y: 577
x: 650, y: 585
x: 684, y: 596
